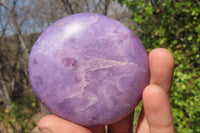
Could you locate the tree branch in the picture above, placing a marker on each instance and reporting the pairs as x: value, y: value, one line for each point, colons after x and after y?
x: 3, y: 3
x: 69, y: 10
x: 106, y: 5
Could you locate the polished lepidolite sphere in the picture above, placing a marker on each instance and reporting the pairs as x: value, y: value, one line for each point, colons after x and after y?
x: 89, y: 69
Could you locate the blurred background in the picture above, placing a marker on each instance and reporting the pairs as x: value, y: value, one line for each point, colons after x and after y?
x: 171, y: 24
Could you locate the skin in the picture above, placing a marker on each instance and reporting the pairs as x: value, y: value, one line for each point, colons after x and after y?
x: 156, y: 114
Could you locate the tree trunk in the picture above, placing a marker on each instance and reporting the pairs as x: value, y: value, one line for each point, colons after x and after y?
x: 107, y: 2
x: 4, y: 93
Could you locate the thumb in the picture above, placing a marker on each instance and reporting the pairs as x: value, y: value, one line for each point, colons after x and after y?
x: 54, y: 124
x: 157, y: 110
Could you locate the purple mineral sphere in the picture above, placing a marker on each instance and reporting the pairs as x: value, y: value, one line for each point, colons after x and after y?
x: 89, y: 69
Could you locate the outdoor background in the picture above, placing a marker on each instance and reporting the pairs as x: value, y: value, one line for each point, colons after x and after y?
x: 171, y: 24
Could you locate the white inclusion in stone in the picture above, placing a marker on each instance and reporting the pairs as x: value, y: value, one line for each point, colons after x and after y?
x: 92, y: 99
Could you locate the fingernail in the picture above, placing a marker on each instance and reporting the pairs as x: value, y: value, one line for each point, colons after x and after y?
x: 44, y: 130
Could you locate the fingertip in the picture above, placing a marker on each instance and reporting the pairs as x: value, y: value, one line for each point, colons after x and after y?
x: 45, y: 122
x: 162, y: 54
x: 161, y: 62
x: 152, y: 96
x: 163, y: 51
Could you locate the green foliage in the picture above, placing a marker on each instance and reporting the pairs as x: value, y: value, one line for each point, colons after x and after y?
x: 19, y: 118
x: 175, y: 25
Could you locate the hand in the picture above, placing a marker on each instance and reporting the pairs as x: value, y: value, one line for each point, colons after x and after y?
x: 156, y: 115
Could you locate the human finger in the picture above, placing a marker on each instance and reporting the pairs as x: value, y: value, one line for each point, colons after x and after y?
x: 142, y: 125
x: 54, y: 124
x: 157, y: 110
x: 97, y: 129
x: 161, y: 63
x: 123, y: 126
